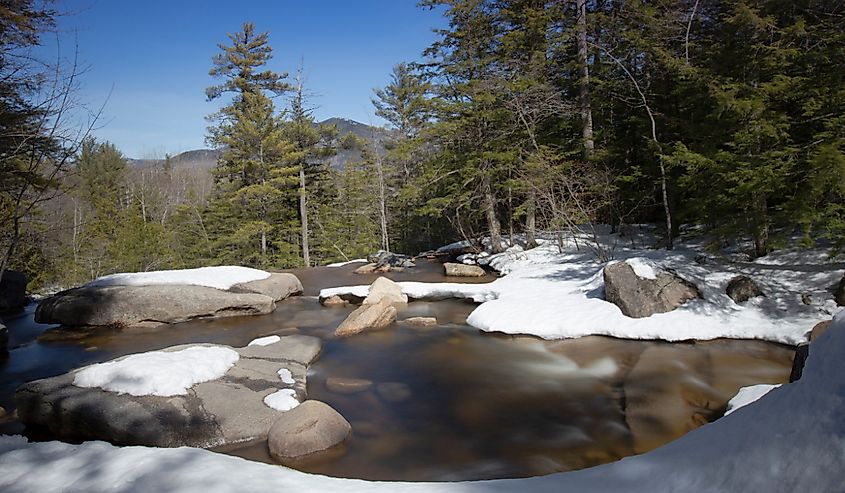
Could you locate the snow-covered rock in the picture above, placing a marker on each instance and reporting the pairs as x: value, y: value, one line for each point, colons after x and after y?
x: 198, y: 395
x: 221, y: 277
x: 747, y: 395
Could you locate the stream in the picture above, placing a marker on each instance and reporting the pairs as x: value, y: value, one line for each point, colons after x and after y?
x: 448, y: 402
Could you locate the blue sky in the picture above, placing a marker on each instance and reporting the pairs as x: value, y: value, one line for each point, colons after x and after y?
x: 150, y: 58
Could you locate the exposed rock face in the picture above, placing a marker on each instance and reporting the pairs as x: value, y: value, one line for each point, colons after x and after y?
x: 375, y: 316
x: 278, y: 286
x: 639, y: 297
x: 383, y: 288
x: 134, y: 305
x: 463, y: 270
x: 743, y: 288
x: 12, y: 291
x: 307, y: 429
x: 382, y: 258
x: 219, y: 412
x: 333, y: 300
x: 839, y: 294
x: 347, y: 385
x: 421, y: 321
x: 802, y: 352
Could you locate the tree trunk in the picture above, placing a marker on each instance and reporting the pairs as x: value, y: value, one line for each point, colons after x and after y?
x: 761, y: 233
x: 670, y: 242
x: 584, y: 82
x: 489, y: 205
x: 531, y: 221
x: 303, y: 214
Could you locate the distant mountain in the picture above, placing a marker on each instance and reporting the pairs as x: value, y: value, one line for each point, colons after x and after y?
x: 206, y: 159
x: 203, y: 159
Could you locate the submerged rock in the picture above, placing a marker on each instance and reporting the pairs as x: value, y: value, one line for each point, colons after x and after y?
x: 375, y: 316
x: 421, y: 321
x: 347, y: 385
x: 463, y: 270
x: 639, y: 297
x: 333, y: 300
x: 227, y: 410
x: 385, y: 289
x: 12, y: 290
x: 393, y: 391
x: 307, y: 429
x: 743, y: 288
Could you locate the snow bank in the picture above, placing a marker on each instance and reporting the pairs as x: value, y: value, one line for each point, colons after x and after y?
x: 747, y: 395
x: 282, y: 400
x: 341, y: 264
x: 788, y: 440
x: 264, y: 341
x: 223, y: 277
x: 161, y: 373
x: 557, y: 295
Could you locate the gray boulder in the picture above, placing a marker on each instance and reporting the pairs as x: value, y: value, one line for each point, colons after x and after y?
x: 639, y: 297
x: 278, y: 286
x: 220, y: 412
x: 12, y: 291
x: 144, y: 305
x: 307, y: 429
x: 390, y: 259
x: 743, y: 288
x: 375, y: 316
x: 463, y: 270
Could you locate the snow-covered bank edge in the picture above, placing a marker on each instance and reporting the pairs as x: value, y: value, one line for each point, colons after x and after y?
x: 557, y: 295
x: 792, y: 437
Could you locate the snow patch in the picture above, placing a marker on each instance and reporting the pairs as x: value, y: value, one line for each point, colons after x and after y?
x: 160, y: 373
x: 282, y: 400
x: 341, y: 264
x: 223, y: 277
x: 286, y: 376
x: 642, y: 268
x: 747, y: 395
x: 264, y: 341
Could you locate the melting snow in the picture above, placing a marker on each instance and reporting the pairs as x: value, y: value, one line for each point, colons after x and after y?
x: 223, y: 277
x: 264, y: 341
x: 282, y: 400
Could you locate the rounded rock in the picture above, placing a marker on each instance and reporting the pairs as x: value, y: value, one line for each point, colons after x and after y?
x: 307, y: 429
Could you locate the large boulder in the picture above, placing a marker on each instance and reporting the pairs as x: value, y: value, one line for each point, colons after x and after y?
x: 383, y: 288
x: 743, y: 288
x: 307, y: 429
x: 463, y: 270
x: 639, y: 296
x: 375, y: 316
x: 227, y: 410
x: 278, y: 286
x: 12, y: 290
x: 142, y: 305
x: 390, y: 259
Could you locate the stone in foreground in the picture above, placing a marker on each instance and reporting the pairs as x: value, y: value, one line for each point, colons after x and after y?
x: 463, y: 270
x: 214, y: 413
x: 640, y: 297
x: 743, y: 288
x: 375, y: 316
x: 307, y: 429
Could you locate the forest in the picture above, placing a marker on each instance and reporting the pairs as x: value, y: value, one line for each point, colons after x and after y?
x: 540, y: 118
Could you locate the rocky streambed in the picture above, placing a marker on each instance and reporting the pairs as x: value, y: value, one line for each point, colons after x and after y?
x: 424, y: 401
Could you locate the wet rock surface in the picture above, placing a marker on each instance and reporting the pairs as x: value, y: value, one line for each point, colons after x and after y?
x: 128, y: 306
x: 639, y: 297
x: 308, y: 429
x: 367, y: 317
x: 219, y: 412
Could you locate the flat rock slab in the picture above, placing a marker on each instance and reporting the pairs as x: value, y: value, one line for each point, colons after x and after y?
x: 127, y: 306
x: 228, y: 410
